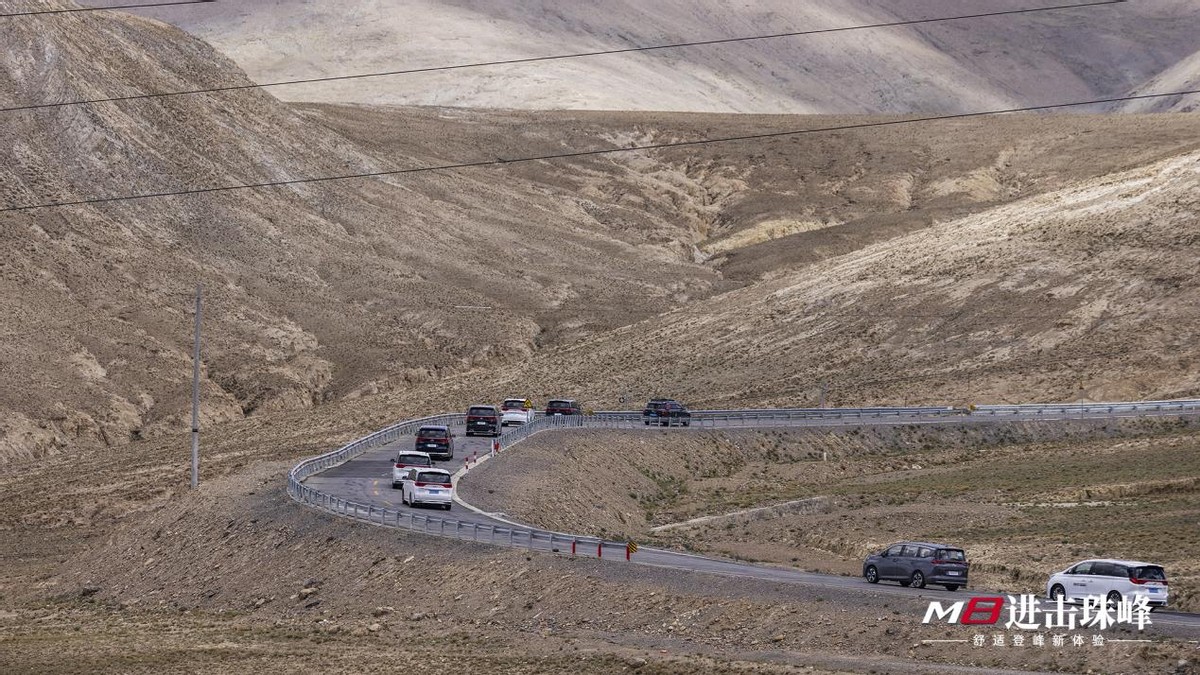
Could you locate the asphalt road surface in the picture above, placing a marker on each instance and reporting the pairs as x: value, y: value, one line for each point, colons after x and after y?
x: 367, y: 479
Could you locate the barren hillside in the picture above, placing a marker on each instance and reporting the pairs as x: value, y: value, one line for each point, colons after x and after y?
x: 1183, y: 76
x: 1087, y: 293
x: 315, y: 291
x: 335, y: 290
x: 969, y: 65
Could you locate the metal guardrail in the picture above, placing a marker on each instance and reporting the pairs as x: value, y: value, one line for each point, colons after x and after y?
x: 546, y: 540
x: 513, y: 536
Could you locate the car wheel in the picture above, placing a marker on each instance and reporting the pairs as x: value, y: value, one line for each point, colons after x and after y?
x: 686, y: 424
x: 918, y: 579
x: 952, y: 587
x: 1114, y: 599
x: 1057, y: 591
x: 872, y: 575
x: 447, y: 507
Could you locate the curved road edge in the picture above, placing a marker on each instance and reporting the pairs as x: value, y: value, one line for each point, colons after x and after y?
x: 484, y: 527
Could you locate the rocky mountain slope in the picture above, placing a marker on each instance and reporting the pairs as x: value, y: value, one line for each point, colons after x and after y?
x: 955, y: 66
x: 314, y: 291
x: 1087, y: 292
x: 330, y: 291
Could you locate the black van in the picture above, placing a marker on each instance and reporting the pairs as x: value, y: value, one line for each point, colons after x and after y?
x: 435, y: 440
x: 483, y: 420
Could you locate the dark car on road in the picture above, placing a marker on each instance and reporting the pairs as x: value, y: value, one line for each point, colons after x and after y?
x: 563, y: 406
x: 435, y: 440
x: 483, y: 420
x: 666, y: 412
x: 917, y: 564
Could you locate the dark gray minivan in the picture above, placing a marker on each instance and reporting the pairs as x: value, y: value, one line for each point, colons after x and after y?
x: 915, y: 563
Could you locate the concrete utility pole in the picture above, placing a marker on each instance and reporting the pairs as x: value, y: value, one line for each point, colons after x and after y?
x: 196, y: 396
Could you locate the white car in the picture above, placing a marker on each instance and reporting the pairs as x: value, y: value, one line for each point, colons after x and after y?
x: 1112, y: 580
x: 516, y: 411
x: 428, y: 486
x: 406, y: 460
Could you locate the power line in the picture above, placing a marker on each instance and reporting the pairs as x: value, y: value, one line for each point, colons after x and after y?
x: 554, y: 57
x: 73, y: 10
x: 588, y: 153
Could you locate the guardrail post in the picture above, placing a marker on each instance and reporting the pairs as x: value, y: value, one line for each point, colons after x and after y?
x: 510, y: 536
x: 492, y: 534
x: 442, y: 527
x: 531, y: 540
x: 573, y: 542
x: 600, y: 549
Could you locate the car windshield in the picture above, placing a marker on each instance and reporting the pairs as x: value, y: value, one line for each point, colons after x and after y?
x: 414, y: 460
x: 433, y: 433
x: 951, y: 554
x: 1149, y: 573
x: 482, y: 411
x: 558, y: 404
x: 515, y: 403
x: 433, y: 477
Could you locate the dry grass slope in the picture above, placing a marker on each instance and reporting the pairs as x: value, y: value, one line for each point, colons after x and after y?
x: 1083, y: 293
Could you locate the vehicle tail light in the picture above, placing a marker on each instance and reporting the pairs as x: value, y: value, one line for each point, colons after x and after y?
x: 399, y: 466
x: 1148, y: 581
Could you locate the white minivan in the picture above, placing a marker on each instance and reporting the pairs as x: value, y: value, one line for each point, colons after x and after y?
x: 428, y: 486
x: 516, y: 411
x: 405, y: 461
x: 1113, y: 580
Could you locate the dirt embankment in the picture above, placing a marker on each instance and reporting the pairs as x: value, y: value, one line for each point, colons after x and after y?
x: 239, y: 574
x: 1024, y: 499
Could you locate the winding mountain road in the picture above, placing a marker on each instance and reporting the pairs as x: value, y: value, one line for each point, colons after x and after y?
x: 364, y: 480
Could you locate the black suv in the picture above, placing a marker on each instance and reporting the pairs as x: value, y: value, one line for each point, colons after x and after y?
x: 666, y: 412
x: 563, y: 406
x: 483, y: 419
x: 437, y: 441
x: 918, y: 563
